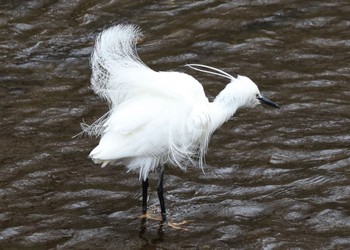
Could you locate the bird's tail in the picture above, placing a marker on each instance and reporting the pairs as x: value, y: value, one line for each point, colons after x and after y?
x: 114, y: 51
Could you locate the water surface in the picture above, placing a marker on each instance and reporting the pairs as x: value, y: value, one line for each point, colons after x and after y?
x: 275, y: 179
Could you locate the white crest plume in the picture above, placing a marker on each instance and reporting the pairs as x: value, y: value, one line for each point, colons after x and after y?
x: 214, y: 71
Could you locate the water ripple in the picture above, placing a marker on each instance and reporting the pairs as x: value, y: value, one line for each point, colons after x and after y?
x: 275, y: 179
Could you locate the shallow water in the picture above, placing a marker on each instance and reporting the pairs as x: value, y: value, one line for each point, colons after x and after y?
x: 275, y: 179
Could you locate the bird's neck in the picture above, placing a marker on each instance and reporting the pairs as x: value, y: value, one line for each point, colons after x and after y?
x: 223, y: 108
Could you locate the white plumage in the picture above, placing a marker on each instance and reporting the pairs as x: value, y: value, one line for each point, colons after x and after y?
x: 156, y: 117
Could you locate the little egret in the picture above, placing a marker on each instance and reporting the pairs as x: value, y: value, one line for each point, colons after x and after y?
x: 156, y: 118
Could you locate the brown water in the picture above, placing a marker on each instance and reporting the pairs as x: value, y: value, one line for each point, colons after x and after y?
x: 275, y: 179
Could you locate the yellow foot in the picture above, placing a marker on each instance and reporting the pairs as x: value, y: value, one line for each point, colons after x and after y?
x: 157, y: 217
x: 151, y: 216
x: 179, y: 225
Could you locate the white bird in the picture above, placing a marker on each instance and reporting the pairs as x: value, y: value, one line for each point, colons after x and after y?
x: 156, y: 118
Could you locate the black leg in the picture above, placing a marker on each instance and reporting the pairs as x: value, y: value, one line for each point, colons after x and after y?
x: 144, y: 195
x: 160, y: 194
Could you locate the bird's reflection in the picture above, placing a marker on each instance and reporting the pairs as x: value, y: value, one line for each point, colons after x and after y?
x: 160, y: 232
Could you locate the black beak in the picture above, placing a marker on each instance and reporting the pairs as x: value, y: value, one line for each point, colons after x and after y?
x: 264, y: 100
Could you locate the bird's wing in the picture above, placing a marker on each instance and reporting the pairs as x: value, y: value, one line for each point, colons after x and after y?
x: 118, y: 74
x: 143, y: 133
x: 143, y: 127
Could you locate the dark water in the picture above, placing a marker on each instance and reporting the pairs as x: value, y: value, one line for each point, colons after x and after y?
x: 275, y: 179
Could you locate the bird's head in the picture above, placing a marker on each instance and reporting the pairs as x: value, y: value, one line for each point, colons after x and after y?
x: 241, y: 91
x: 248, y: 93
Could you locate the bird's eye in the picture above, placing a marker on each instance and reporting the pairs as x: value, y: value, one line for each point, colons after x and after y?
x: 257, y: 95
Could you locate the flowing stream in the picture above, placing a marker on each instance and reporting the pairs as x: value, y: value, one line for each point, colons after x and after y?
x: 275, y: 179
